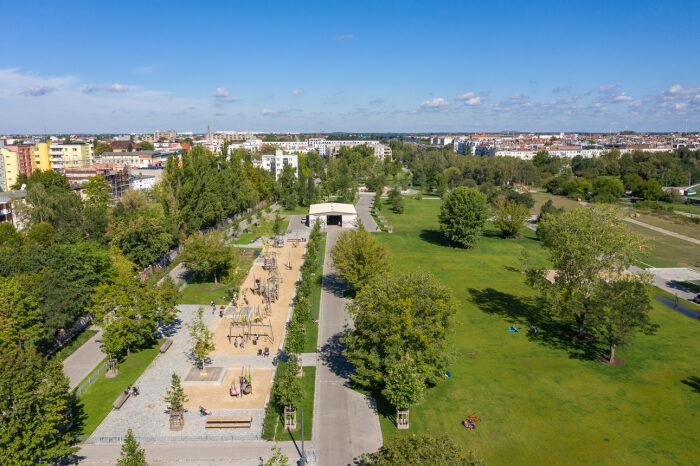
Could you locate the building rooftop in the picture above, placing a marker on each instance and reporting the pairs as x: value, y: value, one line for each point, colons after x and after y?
x: 332, y: 208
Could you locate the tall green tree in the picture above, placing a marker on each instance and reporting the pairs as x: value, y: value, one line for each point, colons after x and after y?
x: 21, y: 319
x: 34, y: 403
x: 131, y: 454
x: 510, y: 216
x: 587, y: 246
x: 98, y: 192
x: 624, y: 307
x: 210, y: 255
x: 417, y: 449
x: 359, y: 258
x: 9, y: 235
x: 175, y: 397
x: 288, y: 186
x: 408, y: 315
x: 288, y: 391
x: 141, y: 234
x: 463, y: 215
x: 202, y: 339
x: 404, y: 388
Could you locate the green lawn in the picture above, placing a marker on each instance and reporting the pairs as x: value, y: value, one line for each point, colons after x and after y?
x: 558, y: 201
x: 312, y: 328
x: 541, y: 399
x: 675, y: 223
x: 75, y: 344
x: 689, y: 208
x: 667, y: 251
x: 95, y: 403
x: 274, y: 422
x: 298, y: 210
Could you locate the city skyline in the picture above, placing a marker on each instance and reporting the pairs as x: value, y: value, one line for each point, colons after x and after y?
x: 442, y: 67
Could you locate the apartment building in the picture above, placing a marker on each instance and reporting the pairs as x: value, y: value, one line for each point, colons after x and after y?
x: 140, y: 159
x: 70, y: 155
x: 276, y: 163
x: 10, y: 167
x: 8, y: 203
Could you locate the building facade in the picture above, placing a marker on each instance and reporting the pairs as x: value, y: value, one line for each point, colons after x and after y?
x: 70, y: 155
x: 276, y: 163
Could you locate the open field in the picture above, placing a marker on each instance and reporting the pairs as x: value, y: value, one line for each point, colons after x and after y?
x: 558, y: 201
x: 667, y: 251
x: 95, y: 403
x: 298, y: 210
x: 542, y: 399
x: 674, y: 223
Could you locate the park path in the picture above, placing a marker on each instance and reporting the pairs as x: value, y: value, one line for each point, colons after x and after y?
x: 662, y: 231
x: 193, y: 453
x: 345, y: 422
x: 78, y: 365
x: 364, y: 206
x: 668, y: 279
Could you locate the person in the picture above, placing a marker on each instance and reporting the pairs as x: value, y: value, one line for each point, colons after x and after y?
x: 127, y: 390
x: 533, y: 329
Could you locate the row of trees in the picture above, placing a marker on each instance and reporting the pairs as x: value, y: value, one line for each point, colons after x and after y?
x: 398, y: 345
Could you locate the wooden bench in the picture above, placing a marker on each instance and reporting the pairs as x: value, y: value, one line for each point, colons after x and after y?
x: 121, y: 399
x: 166, y: 345
x: 229, y: 422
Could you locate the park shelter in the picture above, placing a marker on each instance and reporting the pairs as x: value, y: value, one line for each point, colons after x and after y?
x: 333, y: 214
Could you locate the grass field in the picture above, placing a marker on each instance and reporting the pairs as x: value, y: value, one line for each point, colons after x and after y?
x: 542, y: 399
x: 558, y: 201
x: 674, y: 223
x: 274, y: 422
x: 667, y: 251
x: 95, y: 403
x: 298, y: 210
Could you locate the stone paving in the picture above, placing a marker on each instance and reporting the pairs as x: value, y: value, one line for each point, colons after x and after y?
x: 146, y: 414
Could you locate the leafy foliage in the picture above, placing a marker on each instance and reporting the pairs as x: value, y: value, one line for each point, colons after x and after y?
x: 209, y: 254
x: 403, y: 385
x: 288, y: 391
x: 408, y: 315
x: 359, y: 257
x: 510, y: 216
x: 201, y: 338
x: 131, y: 454
x: 417, y: 449
x: 463, y: 215
x: 175, y: 396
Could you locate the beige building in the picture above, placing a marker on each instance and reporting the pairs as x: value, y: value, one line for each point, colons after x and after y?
x: 71, y: 155
x: 9, y: 171
x: 40, y: 156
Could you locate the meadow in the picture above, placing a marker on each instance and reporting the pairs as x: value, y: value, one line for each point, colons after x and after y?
x: 542, y: 398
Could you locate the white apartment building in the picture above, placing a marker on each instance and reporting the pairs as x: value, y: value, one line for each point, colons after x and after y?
x: 276, y: 163
x: 141, y: 182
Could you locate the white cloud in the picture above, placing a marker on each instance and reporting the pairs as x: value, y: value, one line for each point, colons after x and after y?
x: 297, y: 92
x: 344, y: 37
x: 621, y: 97
x: 437, y: 104
x: 465, y: 96
x: 470, y: 99
x: 222, y: 95
x: 116, y: 88
x: 37, y: 91
x: 270, y: 113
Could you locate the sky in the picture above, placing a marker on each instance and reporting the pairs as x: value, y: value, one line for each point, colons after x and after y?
x: 437, y: 66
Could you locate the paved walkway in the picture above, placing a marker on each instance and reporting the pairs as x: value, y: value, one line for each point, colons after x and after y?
x: 238, y: 453
x: 364, y: 206
x: 667, y: 279
x: 78, y: 365
x: 661, y: 230
x: 345, y: 423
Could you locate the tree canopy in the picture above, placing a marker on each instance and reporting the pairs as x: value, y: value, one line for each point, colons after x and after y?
x: 463, y: 215
x: 415, y: 449
x: 210, y: 255
x: 359, y: 257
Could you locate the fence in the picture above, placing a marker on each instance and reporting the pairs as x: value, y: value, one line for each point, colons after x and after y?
x: 180, y: 438
x: 170, y: 256
x: 86, y: 383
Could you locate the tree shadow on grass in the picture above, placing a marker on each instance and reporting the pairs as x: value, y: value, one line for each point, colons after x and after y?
x: 436, y: 237
x: 331, y: 354
x: 693, y: 382
x: 526, y: 312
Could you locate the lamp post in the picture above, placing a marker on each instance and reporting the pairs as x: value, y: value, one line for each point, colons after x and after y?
x: 303, y: 451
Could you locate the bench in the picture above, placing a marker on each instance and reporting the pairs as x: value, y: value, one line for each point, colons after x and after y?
x: 121, y: 399
x: 229, y: 422
x: 166, y: 345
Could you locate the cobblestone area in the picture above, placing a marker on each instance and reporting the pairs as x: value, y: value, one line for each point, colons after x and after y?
x: 146, y: 414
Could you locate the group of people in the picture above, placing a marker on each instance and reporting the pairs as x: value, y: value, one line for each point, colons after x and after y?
x: 470, y: 421
x: 131, y: 390
x: 515, y: 328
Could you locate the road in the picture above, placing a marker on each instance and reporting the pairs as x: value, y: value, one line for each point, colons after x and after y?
x: 345, y: 423
x: 661, y: 230
x: 667, y: 279
x: 78, y: 365
x: 364, y: 206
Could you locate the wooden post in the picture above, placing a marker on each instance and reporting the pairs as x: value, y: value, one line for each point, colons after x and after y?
x: 402, y: 419
x: 290, y: 418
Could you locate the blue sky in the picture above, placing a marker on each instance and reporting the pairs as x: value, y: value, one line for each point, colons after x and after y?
x: 355, y: 66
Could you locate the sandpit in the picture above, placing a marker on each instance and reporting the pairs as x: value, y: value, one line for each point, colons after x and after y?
x: 279, y: 311
x: 218, y: 397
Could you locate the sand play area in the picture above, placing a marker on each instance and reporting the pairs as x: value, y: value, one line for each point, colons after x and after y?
x: 252, y: 318
x: 218, y: 396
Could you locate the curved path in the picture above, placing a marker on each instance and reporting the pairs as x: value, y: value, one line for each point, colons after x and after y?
x: 364, y: 206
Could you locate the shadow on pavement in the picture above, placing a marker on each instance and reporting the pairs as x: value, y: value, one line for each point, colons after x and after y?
x: 331, y: 354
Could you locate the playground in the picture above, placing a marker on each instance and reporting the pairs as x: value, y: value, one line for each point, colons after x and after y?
x: 218, y: 397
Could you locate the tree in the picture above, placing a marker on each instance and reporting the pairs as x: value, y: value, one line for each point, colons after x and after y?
x: 103, y: 147
x: 287, y: 183
x: 510, y: 216
x: 145, y: 145
x: 9, y: 235
x: 378, y: 199
x: 201, y: 338
x: 586, y: 247
x: 396, y: 200
x: 21, y: 319
x: 140, y: 234
x: 34, y: 402
x: 403, y: 385
x: 277, y: 225
x: 408, y: 315
x: 209, y: 254
x: 132, y: 454
x: 607, y: 190
x: 277, y: 458
x: 130, y: 311
x: 624, y: 310
x: 359, y: 257
x: 650, y: 190
x: 98, y: 192
x: 41, y: 233
x: 417, y: 449
x: 175, y: 396
x: 288, y: 390
x: 632, y: 181
x: 463, y: 215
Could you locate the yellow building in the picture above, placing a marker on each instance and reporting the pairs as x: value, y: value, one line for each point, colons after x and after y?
x: 71, y: 155
x: 9, y: 171
x: 40, y: 156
